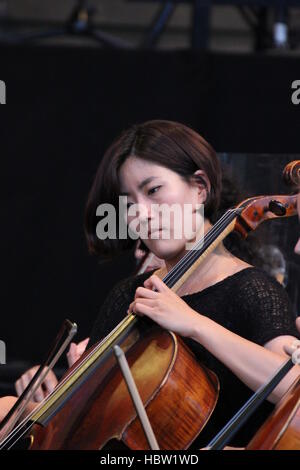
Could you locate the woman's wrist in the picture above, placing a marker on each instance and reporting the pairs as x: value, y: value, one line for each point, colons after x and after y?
x: 203, y: 329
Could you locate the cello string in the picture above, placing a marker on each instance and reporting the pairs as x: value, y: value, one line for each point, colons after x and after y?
x: 197, y: 246
x: 19, y: 437
x: 180, y: 266
x: 193, y: 254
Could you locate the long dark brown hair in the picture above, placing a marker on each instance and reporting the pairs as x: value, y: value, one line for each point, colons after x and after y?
x: 169, y: 144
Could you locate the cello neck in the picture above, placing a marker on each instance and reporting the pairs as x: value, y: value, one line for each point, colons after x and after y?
x: 184, y: 268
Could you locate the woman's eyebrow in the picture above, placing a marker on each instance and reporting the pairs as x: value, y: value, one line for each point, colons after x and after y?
x: 146, y: 181
x: 142, y: 184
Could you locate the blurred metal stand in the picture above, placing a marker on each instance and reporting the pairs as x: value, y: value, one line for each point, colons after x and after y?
x: 80, y: 23
x: 158, y: 24
x: 256, y: 13
x: 266, y: 19
x: 201, y: 10
x: 280, y: 28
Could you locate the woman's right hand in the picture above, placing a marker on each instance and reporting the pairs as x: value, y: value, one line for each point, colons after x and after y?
x: 45, y: 388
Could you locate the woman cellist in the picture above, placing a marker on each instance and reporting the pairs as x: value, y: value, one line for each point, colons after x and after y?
x: 227, y: 310
x: 232, y: 315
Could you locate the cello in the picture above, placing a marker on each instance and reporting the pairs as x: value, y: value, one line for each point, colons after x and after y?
x: 281, y: 431
x: 91, y: 407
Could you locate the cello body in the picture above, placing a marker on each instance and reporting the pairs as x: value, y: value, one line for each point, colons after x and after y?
x: 281, y: 431
x: 179, y: 395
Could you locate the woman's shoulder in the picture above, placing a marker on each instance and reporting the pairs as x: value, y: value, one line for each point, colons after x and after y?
x: 265, y: 305
x: 254, y: 286
x: 252, y: 275
x: 255, y: 283
x: 258, y: 292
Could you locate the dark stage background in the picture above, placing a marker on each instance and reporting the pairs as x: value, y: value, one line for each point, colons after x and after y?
x: 64, y: 106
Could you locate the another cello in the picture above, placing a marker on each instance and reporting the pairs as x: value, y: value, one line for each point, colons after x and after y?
x: 281, y: 431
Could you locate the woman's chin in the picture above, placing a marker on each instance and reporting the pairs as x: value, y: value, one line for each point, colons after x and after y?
x: 166, y: 249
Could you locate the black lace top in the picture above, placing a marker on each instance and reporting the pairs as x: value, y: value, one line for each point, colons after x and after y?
x: 250, y: 304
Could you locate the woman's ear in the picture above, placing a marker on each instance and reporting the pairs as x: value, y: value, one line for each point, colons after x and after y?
x: 201, y: 180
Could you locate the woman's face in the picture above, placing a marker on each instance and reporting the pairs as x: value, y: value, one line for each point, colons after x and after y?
x: 297, y: 247
x: 150, y: 185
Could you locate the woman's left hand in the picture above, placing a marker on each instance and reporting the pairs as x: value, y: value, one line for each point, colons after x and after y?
x: 164, y: 307
x: 295, y: 346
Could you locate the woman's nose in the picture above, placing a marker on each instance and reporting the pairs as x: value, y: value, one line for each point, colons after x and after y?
x: 144, y: 212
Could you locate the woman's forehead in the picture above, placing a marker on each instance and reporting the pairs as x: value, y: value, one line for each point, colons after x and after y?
x: 136, y: 170
x: 134, y: 162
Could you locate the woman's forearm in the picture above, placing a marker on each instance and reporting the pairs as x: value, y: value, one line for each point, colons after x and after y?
x: 253, y: 364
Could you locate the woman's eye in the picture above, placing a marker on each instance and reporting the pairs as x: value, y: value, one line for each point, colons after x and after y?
x: 153, y: 190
